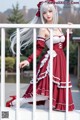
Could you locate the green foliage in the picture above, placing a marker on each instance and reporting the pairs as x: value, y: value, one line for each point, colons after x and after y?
x: 22, y: 58
x: 27, y: 51
x: 73, y: 56
x: 74, y: 52
x: 7, y: 48
x: 76, y: 33
x: 16, y: 17
x: 10, y: 64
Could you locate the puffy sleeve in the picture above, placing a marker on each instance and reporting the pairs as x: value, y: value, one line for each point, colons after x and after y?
x: 65, y: 42
x: 40, y: 45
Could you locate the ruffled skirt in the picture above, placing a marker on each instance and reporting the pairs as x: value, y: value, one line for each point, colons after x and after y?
x: 59, y: 81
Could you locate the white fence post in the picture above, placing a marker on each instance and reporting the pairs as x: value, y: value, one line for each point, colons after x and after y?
x: 34, y: 74
x: 67, y: 75
x: 2, y: 68
x: 51, y: 75
x: 18, y: 75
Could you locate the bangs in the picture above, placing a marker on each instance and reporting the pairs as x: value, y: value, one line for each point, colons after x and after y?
x: 46, y: 7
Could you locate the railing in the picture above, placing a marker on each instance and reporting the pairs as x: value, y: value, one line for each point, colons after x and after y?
x: 17, y: 26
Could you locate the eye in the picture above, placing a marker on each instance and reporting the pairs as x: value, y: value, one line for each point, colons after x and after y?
x: 44, y: 12
x: 50, y: 11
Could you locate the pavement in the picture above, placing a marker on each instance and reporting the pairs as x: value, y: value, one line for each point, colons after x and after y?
x: 10, y: 89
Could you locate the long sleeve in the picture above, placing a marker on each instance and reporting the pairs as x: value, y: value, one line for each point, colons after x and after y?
x: 40, y: 44
x: 65, y: 42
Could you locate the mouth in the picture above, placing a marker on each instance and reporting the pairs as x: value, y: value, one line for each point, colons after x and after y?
x: 48, y: 17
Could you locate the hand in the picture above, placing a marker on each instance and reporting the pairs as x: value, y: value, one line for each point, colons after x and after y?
x: 70, y: 30
x: 23, y: 64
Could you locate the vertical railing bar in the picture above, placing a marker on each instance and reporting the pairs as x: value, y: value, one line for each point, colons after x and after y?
x: 51, y: 74
x: 17, y: 75
x: 2, y: 68
x: 67, y: 74
x: 78, y: 68
x: 34, y: 74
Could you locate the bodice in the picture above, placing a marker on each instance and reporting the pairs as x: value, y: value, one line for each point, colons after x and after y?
x: 56, y: 40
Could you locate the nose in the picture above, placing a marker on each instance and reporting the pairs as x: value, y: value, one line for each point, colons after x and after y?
x: 47, y: 13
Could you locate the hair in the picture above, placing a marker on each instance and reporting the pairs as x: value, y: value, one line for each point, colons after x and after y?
x: 26, y: 34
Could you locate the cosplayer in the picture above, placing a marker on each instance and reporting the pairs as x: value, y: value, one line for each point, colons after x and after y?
x: 47, y: 14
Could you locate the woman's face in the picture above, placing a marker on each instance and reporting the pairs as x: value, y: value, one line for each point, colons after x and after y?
x: 48, y: 16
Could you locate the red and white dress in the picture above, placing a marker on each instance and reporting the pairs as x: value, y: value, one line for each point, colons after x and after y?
x: 59, y: 74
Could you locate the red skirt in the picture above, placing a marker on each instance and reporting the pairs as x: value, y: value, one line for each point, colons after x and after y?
x: 59, y: 80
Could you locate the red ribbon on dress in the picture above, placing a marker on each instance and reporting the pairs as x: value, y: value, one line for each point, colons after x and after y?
x: 39, y: 4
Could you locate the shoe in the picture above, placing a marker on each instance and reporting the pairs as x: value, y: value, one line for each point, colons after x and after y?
x: 9, y: 103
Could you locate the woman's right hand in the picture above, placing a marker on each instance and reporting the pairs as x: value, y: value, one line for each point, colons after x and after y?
x: 23, y: 64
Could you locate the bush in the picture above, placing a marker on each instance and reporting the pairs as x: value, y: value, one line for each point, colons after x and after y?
x: 9, y: 64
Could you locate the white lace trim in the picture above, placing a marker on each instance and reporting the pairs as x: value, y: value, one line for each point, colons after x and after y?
x: 58, y: 85
x: 46, y: 58
x: 64, y: 86
x: 61, y: 86
x: 56, y: 77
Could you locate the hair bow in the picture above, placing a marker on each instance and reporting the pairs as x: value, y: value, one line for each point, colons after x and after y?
x: 38, y: 12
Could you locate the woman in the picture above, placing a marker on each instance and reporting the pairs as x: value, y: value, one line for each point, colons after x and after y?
x: 47, y: 14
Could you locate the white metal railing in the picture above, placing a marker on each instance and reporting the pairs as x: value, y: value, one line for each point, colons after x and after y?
x: 34, y: 74
x: 67, y: 75
x: 51, y: 75
x: 2, y: 67
x: 34, y: 26
x: 18, y: 75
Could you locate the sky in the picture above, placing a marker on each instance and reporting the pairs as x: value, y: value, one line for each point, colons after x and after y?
x: 6, y: 4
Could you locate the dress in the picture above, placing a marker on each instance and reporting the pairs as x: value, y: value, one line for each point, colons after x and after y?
x: 59, y: 73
